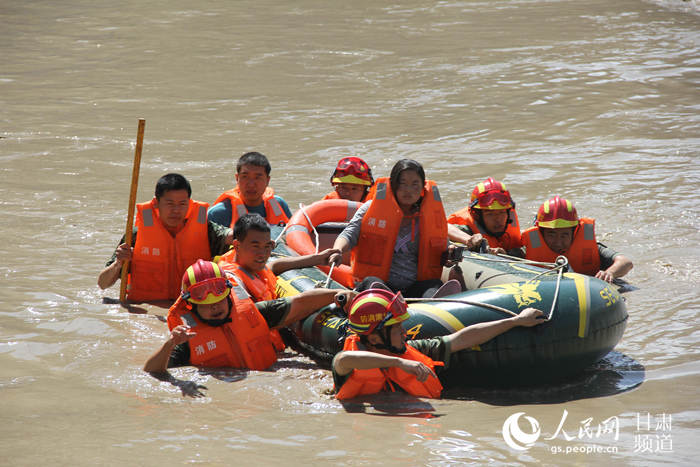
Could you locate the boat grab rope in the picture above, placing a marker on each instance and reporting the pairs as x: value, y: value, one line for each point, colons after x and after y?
x: 303, y: 211
x: 302, y: 208
x: 560, y: 264
x: 462, y: 300
x: 313, y: 227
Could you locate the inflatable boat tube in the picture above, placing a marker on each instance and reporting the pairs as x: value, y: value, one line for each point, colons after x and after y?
x: 586, y: 322
x: 300, y: 228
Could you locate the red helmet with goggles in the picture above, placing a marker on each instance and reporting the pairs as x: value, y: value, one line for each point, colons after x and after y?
x: 557, y: 213
x: 352, y: 170
x: 491, y: 194
x: 205, y: 283
x: 375, y: 308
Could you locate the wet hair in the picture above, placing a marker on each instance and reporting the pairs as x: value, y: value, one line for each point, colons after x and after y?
x: 171, y: 182
x: 247, y: 222
x: 253, y: 158
x: 402, y: 165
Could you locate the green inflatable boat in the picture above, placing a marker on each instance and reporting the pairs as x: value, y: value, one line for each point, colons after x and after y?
x: 586, y: 319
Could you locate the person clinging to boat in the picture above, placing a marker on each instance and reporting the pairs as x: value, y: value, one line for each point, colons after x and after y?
x: 171, y: 232
x: 491, y: 215
x: 247, y: 260
x: 214, y: 322
x: 559, y: 231
x: 351, y: 180
x: 251, y: 194
x: 377, y: 357
x: 399, y: 237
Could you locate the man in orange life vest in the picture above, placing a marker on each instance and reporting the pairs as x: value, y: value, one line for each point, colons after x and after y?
x: 247, y: 260
x: 352, y: 180
x: 559, y: 231
x: 171, y: 232
x: 491, y: 213
x: 214, y: 323
x: 376, y: 356
x: 251, y: 194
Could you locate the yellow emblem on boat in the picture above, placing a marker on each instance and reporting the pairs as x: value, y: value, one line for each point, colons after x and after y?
x: 524, y: 293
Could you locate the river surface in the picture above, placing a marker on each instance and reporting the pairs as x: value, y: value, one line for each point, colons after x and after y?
x: 595, y: 100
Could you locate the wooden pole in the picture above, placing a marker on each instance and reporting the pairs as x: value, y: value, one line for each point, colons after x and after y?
x: 132, y: 205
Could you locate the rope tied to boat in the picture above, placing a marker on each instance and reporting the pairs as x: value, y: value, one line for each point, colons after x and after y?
x: 302, y: 208
x: 462, y: 300
x: 560, y: 265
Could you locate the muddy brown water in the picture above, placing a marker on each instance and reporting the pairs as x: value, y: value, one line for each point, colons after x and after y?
x: 593, y: 100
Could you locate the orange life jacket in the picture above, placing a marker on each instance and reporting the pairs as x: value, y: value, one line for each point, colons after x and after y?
x: 510, y: 238
x: 362, y: 382
x: 260, y: 285
x: 242, y: 343
x: 160, y: 259
x: 373, y: 253
x: 274, y: 214
x: 334, y: 195
x: 583, y: 253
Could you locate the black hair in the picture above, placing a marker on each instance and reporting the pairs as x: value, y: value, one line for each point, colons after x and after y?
x: 402, y: 165
x: 253, y: 158
x: 247, y: 222
x: 171, y: 182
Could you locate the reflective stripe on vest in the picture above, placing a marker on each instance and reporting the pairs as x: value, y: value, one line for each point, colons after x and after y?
x: 276, y: 208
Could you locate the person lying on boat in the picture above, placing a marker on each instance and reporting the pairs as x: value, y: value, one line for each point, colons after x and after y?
x: 215, y: 323
x: 171, y: 232
x: 251, y: 194
x: 376, y: 356
x: 399, y: 237
x: 351, y: 179
x: 491, y: 213
x: 559, y: 231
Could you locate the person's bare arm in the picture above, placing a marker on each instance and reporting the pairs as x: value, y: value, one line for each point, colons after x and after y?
x: 307, y: 302
x: 456, y: 234
x: 109, y: 275
x: 158, y: 362
x: 345, y: 362
x: 479, y: 333
x: 621, y: 265
x: 280, y: 265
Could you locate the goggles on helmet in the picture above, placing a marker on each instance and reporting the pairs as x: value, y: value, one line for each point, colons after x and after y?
x: 208, y: 291
x: 352, y: 170
x: 372, y: 310
x: 492, y: 200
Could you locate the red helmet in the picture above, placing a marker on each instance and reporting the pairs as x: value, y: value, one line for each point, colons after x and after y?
x: 557, y: 213
x: 352, y: 170
x: 491, y: 194
x: 205, y: 283
x: 376, y: 308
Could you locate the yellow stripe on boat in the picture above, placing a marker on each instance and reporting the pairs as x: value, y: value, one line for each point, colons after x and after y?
x: 285, y: 287
x: 445, y: 318
x: 584, y: 301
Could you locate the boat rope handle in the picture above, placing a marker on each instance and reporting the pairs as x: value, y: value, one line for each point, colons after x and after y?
x: 461, y: 300
x: 281, y: 233
x: 562, y: 262
x: 313, y: 227
x: 328, y: 279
